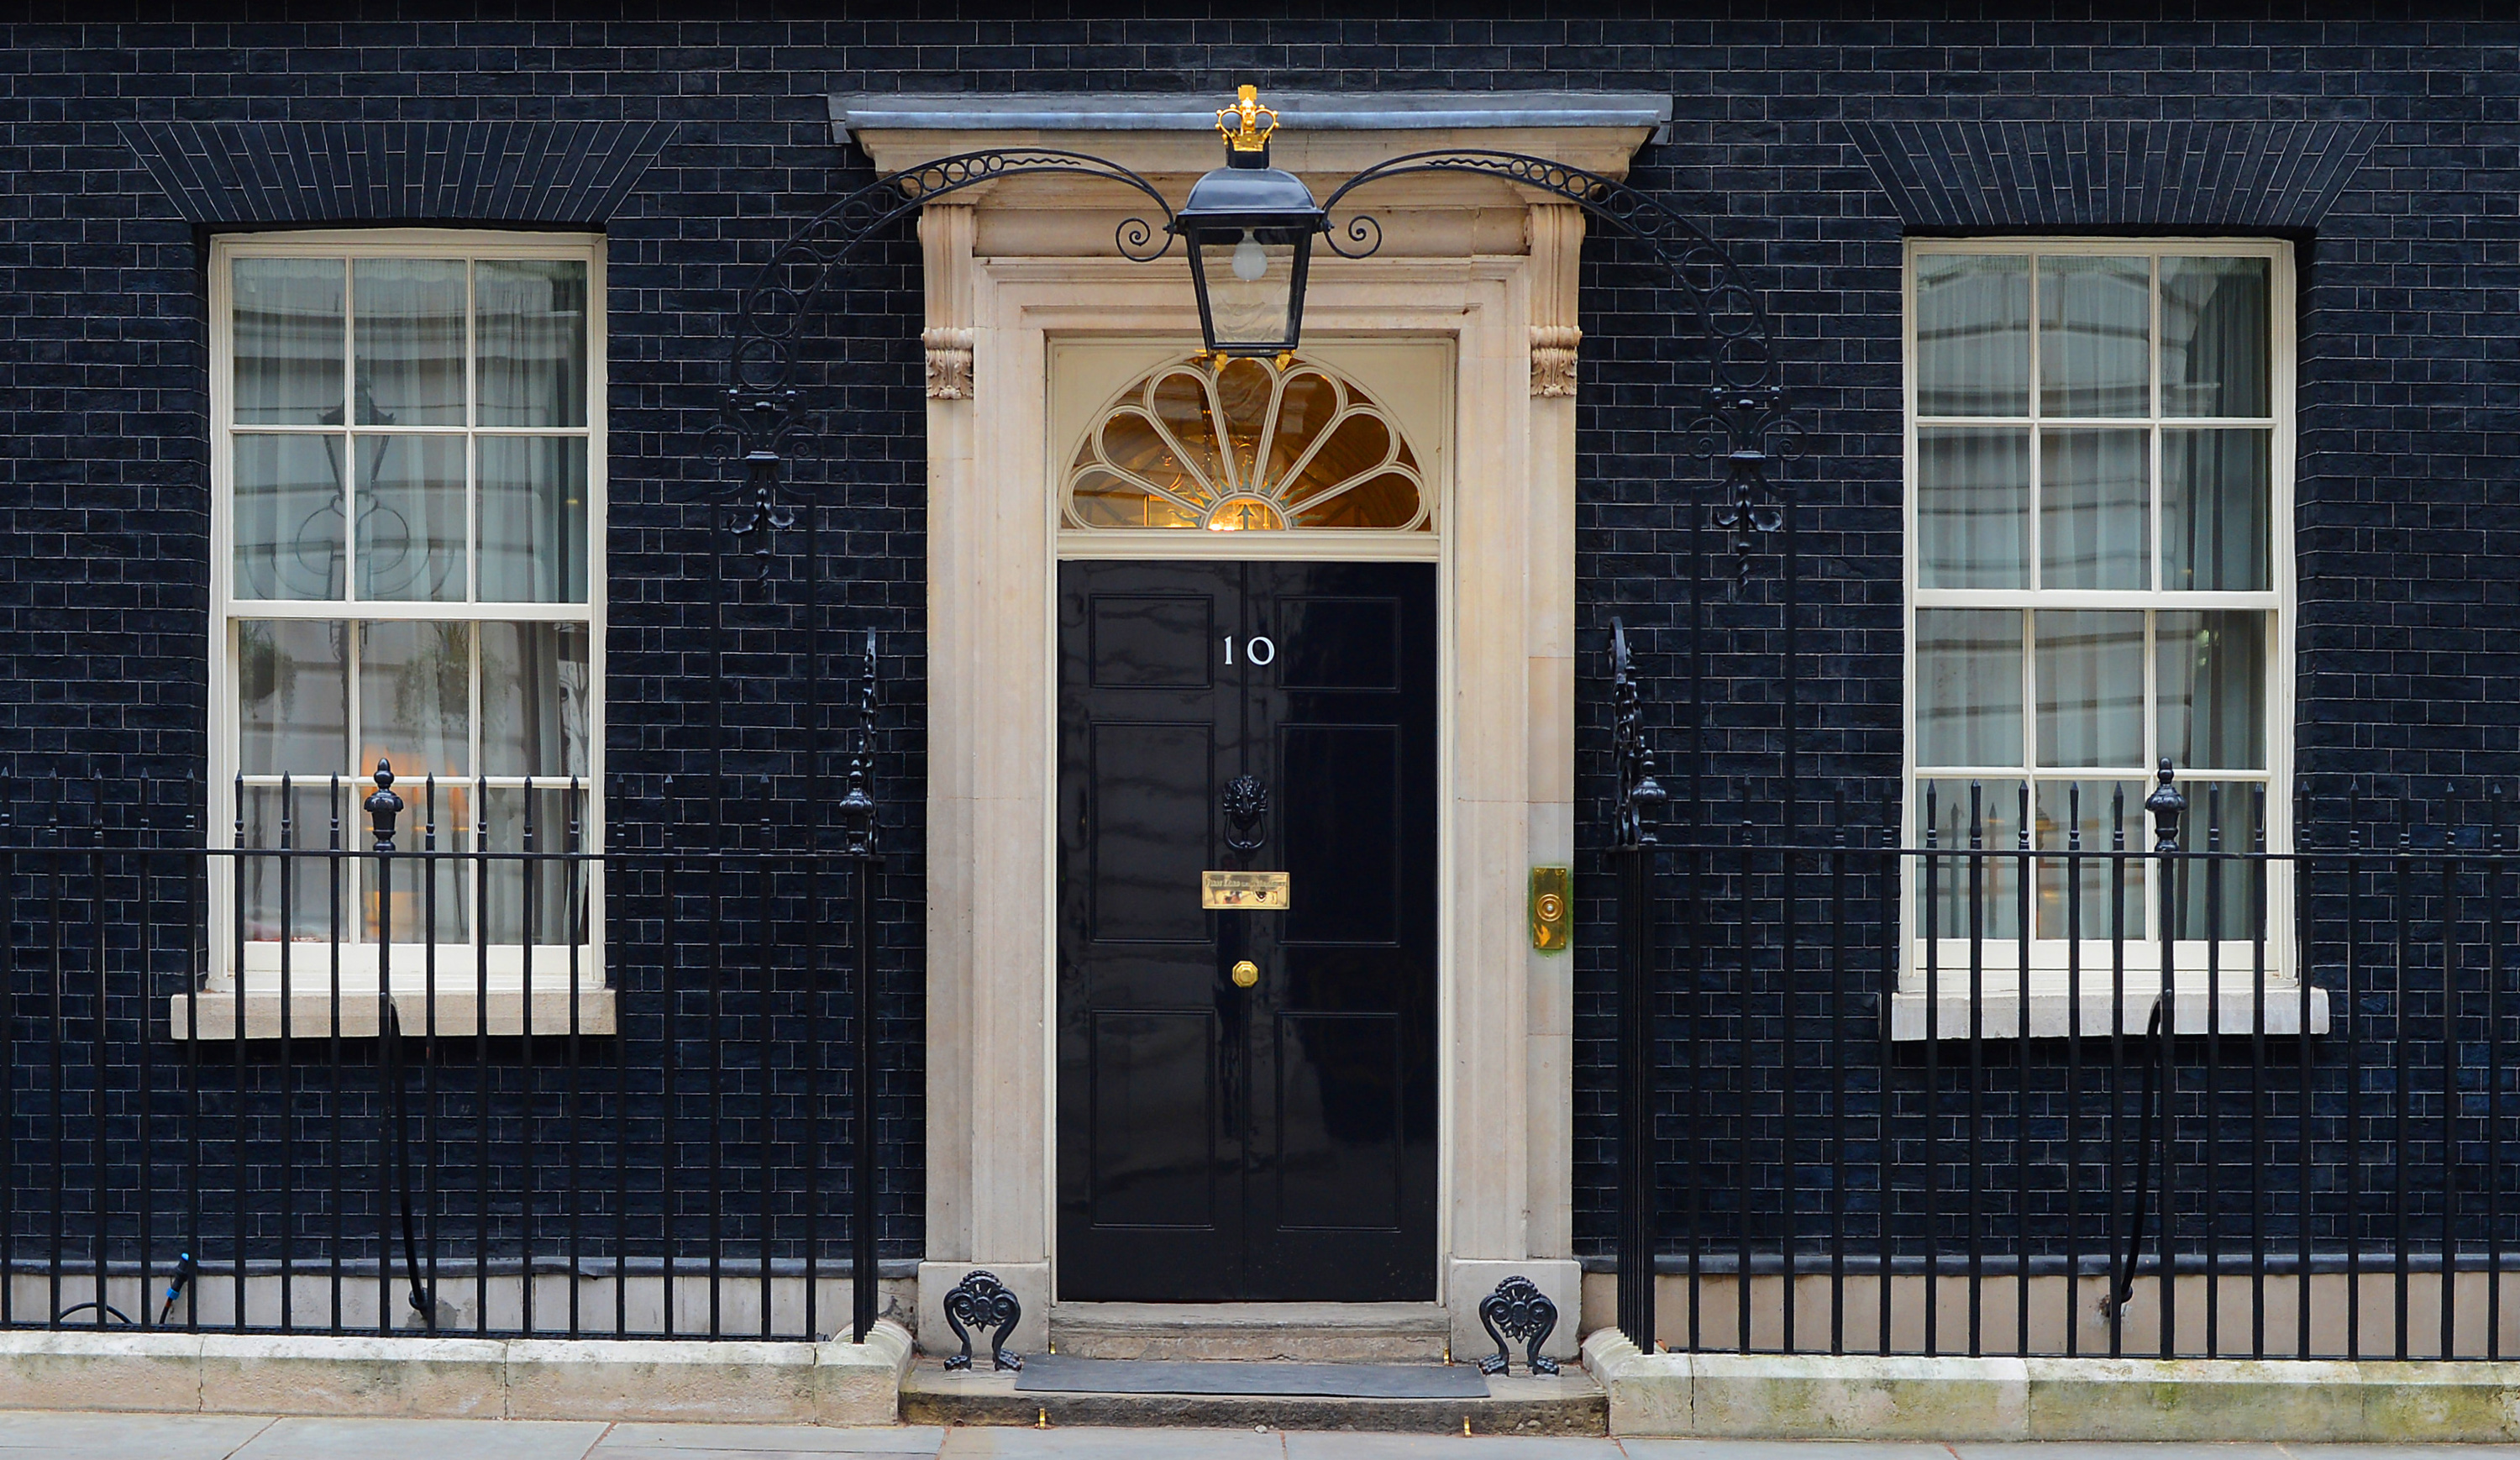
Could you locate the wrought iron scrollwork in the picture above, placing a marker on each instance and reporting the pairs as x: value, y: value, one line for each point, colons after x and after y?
x: 1640, y: 797
x: 1245, y: 804
x: 761, y: 409
x: 1743, y: 422
x: 856, y: 809
x: 1517, y: 1309
x: 981, y: 1301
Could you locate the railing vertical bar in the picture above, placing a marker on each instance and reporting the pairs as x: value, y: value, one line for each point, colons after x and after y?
x: 55, y: 864
x: 1885, y: 1131
x: 9, y: 862
x: 2303, y: 883
x: 2350, y: 1219
x: 1745, y: 1124
x: 380, y: 857
x: 2402, y: 1115
x: 572, y: 915
x: 2166, y: 843
x: 1976, y: 1138
x: 333, y: 1055
x: 2121, y: 1271
x: 529, y: 870
x: 2023, y: 929
x: 864, y: 1115
x: 2213, y: 1072
x: 769, y: 1121
x: 99, y: 1119
x: 1931, y: 1106
x: 1695, y: 871
x: 235, y: 1038
x: 2256, y: 887
x: 287, y: 1074
x: 431, y: 1133
x: 480, y: 1052
x: 1837, y: 1075
x: 716, y: 1070
x: 2073, y: 1066
x: 144, y: 1050
x: 1788, y: 1060
x: 669, y: 1037
x: 2497, y: 847
x: 2450, y: 870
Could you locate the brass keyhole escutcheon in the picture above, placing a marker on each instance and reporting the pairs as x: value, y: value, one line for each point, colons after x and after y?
x: 1245, y: 974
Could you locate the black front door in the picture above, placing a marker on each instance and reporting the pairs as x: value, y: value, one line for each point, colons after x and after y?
x: 1275, y: 1141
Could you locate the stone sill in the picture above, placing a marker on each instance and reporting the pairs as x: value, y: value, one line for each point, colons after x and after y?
x: 459, y: 1378
x: 1816, y: 1397
x: 454, y: 1014
x: 2051, y: 1014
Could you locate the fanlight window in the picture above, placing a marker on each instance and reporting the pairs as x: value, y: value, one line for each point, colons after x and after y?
x: 1245, y: 445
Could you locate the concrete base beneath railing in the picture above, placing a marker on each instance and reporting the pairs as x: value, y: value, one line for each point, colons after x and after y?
x: 1813, y: 1396
x: 548, y: 1379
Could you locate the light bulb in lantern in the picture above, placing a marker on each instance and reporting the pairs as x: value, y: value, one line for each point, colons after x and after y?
x: 1250, y: 263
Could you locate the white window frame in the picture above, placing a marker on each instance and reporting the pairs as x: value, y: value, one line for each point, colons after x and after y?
x: 457, y: 981
x: 1997, y: 974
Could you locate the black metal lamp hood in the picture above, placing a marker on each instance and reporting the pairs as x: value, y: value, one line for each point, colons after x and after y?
x: 1250, y: 228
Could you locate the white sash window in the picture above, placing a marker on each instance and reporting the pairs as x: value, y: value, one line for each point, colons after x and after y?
x: 2099, y: 572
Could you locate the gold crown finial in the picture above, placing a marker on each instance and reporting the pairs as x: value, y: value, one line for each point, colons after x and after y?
x: 1243, y: 122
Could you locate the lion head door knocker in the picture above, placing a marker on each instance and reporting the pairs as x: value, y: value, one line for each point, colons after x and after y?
x: 1517, y: 1309
x: 981, y: 1301
x: 1245, y: 805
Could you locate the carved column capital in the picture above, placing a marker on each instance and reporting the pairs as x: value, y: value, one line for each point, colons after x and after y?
x: 1552, y: 359
x: 949, y: 362
x: 1557, y: 235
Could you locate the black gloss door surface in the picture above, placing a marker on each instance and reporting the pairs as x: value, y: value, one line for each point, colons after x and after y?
x: 1276, y: 1141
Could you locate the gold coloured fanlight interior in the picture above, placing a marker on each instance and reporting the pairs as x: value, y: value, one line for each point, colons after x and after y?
x: 1245, y: 445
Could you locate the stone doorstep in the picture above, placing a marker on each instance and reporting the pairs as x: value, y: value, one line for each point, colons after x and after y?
x: 1817, y: 1396
x: 1306, y: 1332
x: 1571, y: 1403
x: 559, y: 1379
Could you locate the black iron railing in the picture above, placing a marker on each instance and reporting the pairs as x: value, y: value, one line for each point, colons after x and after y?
x: 391, y: 1060
x: 2255, y: 1104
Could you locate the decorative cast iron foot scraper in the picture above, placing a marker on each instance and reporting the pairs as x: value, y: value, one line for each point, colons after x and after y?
x: 1517, y: 1309
x: 980, y: 1300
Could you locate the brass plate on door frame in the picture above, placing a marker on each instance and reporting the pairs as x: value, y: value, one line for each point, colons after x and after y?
x: 1263, y: 891
x: 1552, y: 914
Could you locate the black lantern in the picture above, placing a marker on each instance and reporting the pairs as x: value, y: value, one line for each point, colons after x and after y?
x: 1250, y: 230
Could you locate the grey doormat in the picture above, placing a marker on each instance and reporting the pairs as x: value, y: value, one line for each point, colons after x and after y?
x: 1051, y: 1373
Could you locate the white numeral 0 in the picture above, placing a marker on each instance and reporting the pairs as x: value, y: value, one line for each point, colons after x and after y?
x: 1262, y: 650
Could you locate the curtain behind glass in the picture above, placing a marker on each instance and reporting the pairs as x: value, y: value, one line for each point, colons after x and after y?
x: 288, y: 333
x: 2216, y: 341
x: 1969, y: 687
x: 1973, y: 507
x: 410, y: 349
x: 530, y: 337
x: 2095, y: 330
x: 1972, y: 334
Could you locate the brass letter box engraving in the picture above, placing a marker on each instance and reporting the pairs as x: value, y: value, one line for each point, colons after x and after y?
x: 1552, y: 914
x: 1264, y: 892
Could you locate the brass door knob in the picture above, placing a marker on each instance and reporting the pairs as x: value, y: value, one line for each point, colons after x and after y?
x: 1245, y: 974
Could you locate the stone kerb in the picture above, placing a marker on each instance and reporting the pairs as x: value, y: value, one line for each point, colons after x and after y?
x: 1818, y: 1396
x: 453, y: 1378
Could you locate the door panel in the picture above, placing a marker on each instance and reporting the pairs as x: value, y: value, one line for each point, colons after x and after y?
x: 1275, y: 1142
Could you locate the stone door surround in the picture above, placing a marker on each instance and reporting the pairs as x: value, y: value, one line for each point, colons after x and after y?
x: 1015, y: 266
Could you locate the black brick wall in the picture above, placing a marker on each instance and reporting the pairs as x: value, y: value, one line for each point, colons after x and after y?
x: 1808, y: 138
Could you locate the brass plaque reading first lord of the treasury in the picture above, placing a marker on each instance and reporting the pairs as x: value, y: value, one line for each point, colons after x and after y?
x: 1258, y: 890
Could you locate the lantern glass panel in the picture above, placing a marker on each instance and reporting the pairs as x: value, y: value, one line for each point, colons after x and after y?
x: 1250, y: 284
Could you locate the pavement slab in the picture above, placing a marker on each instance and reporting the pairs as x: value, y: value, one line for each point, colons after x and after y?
x: 1316, y: 1444
x: 1781, y: 1449
x: 762, y: 1441
x: 976, y: 1442
x: 436, y: 1439
x: 125, y: 1436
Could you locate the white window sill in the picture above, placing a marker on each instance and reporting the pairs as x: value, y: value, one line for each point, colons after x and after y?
x: 457, y: 1013
x: 2103, y: 1013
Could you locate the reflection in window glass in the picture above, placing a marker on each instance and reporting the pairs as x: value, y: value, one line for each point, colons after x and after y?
x: 532, y: 340
x: 415, y: 698
x: 410, y: 341
x: 2095, y: 523
x: 411, y: 518
x: 533, y: 699
x: 286, y: 328
x: 1974, y: 335
x: 292, y: 696
x: 2215, y: 523
x: 1969, y: 687
x: 533, y: 519
x: 2090, y: 897
x: 1973, y: 507
x: 1980, y: 895
x: 287, y: 517
x: 2213, y: 682
x: 2214, y: 333
x: 2090, y: 667
x: 2095, y: 332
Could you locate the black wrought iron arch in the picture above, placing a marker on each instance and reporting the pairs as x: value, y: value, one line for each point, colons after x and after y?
x: 762, y: 410
x: 1743, y: 422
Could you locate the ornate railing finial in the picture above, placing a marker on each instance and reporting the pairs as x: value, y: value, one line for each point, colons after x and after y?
x: 857, y: 806
x: 1639, y: 797
x: 383, y: 806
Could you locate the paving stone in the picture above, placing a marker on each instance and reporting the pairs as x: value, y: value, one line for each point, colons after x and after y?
x: 986, y: 1442
x: 2109, y: 1449
x: 1777, y: 1449
x: 436, y: 1439
x: 751, y: 1442
x: 125, y: 1436
x: 1302, y: 1445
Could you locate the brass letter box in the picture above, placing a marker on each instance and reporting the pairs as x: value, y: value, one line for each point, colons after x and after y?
x: 1259, y: 892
